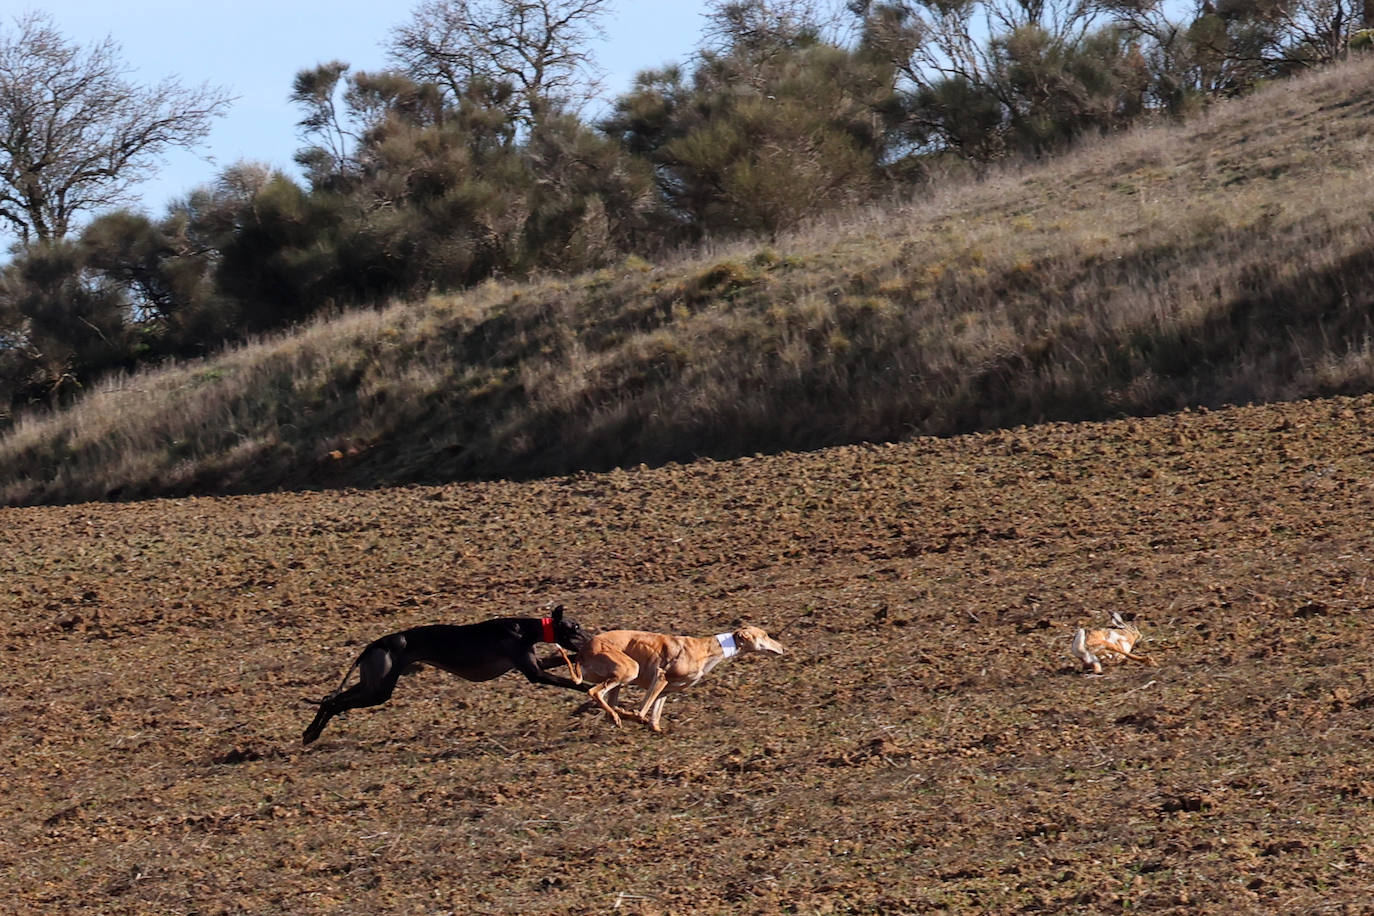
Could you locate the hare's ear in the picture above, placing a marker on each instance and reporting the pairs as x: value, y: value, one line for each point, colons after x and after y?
x: 1116, y: 620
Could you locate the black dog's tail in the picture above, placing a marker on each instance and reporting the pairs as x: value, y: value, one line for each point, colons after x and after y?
x: 324, y: 712
x: 349, y: 673
x: 338, y: 690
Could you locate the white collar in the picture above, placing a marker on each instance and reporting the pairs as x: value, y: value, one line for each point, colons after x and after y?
x: 727, y: 643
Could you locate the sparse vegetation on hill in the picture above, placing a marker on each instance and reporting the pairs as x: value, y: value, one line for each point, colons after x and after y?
x: 467, y: 159
x: 1227, y: 260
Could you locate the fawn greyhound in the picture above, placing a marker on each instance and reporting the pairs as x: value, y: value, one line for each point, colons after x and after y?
x: 1118, y: 639
x: 475, y: 651
x: 659, y: 663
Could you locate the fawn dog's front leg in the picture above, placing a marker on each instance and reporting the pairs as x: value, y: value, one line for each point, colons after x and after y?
x: 655, y: 688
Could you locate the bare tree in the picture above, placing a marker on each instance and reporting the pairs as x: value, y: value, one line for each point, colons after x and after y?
x: 1231, y: 45
x: 75, y: 135
x: 1317, y: 32
x: 334, y: 137
x: 536, y: 47
x: 951, y: 36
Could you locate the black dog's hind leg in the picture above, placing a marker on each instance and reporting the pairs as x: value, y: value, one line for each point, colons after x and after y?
x: 377, y: 676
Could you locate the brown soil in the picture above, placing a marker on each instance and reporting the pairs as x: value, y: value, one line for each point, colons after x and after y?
x: 926, y: 744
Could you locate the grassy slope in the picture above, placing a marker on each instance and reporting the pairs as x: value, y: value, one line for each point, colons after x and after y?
x: 1228, y: 260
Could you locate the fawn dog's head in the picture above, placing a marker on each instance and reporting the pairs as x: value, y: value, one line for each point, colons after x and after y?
x: 754, y: 639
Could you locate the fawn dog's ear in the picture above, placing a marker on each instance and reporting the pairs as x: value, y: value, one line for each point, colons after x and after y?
x: 557, y: 614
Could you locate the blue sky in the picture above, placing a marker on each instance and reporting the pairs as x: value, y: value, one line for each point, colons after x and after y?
x: 254, y: 48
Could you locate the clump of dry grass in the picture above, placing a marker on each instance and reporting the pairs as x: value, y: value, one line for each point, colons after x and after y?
x: 1227, y: 260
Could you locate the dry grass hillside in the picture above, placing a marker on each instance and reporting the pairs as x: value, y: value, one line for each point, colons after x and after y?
x: 926, y: 744
x: 1228, y: 260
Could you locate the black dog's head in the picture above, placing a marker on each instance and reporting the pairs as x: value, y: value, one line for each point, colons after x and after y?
x: 568, y: 633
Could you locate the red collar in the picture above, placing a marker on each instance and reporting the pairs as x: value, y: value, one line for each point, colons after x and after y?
x: 547, y: 623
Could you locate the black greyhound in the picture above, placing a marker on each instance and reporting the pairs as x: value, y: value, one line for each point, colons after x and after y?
x: 476, y: 651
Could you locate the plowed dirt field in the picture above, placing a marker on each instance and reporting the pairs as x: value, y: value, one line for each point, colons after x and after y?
x: 926, y: 744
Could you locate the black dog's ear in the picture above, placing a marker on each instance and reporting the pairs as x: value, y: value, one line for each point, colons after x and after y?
x: 557, y: 614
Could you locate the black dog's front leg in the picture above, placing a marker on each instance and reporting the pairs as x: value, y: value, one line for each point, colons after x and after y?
x: 530, y: 666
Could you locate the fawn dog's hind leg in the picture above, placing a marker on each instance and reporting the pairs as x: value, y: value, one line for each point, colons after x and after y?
x: 611, y: 670
x: 596, y: 694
